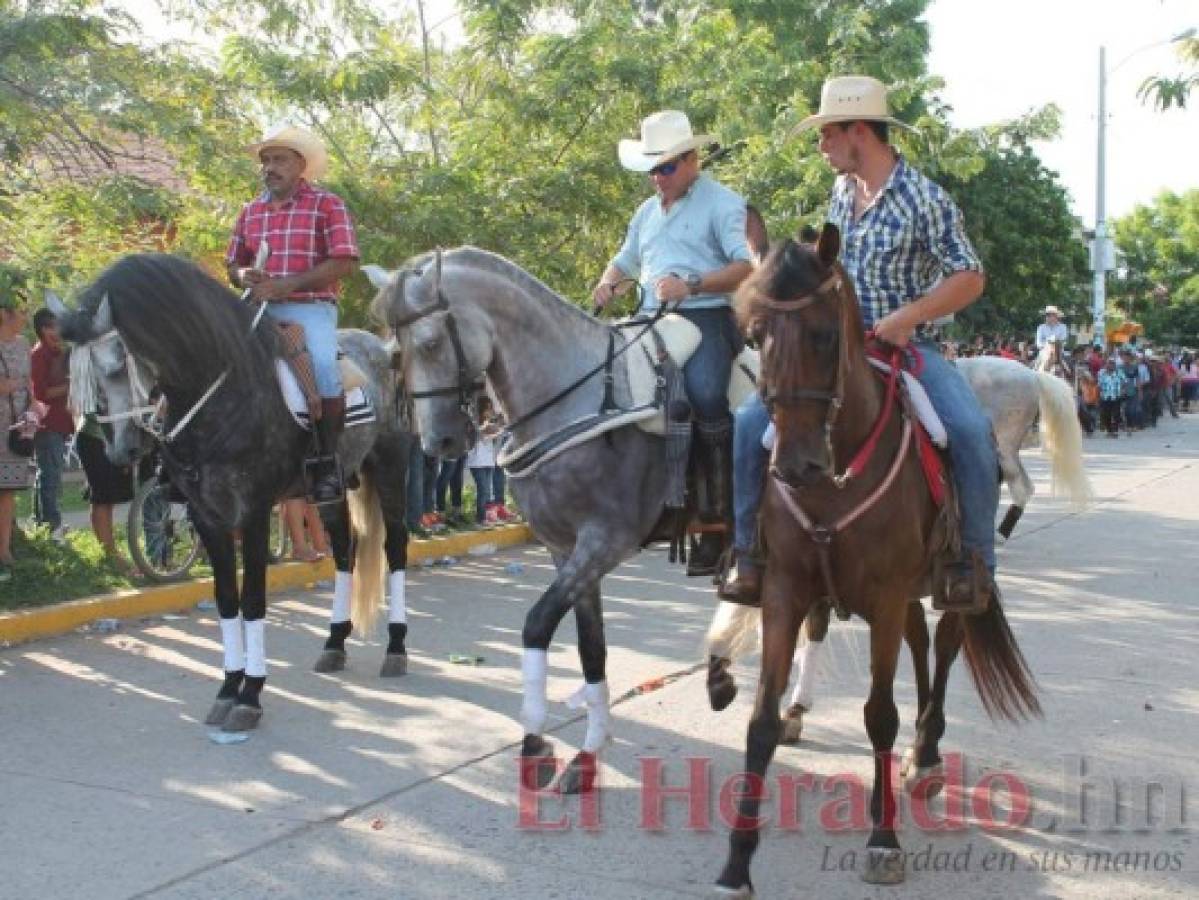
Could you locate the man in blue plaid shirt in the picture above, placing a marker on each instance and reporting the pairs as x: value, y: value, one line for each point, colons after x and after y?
x: 905, y: 247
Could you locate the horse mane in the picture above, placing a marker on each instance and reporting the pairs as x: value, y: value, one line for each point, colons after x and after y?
x: 185, y: 323
x: 477, y: 258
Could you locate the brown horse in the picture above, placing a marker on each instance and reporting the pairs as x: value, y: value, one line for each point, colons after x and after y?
x: 869, y: 543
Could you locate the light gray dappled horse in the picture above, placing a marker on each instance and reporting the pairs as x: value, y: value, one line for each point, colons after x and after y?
x: 468, y: 315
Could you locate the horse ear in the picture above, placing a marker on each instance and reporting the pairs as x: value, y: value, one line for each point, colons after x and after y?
x: 828, y: 248
x: 102, y: 320
x: 378, y: 276
x: 55, y: 305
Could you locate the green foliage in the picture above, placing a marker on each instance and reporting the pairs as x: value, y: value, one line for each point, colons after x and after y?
x: 1158, y: 282
x: 1018, y: 217
x: 1166, y: 92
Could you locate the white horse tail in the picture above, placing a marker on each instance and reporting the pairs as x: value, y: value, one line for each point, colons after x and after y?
x: 734, y: 630
x: 1061, y: 437
x: 370, y: 562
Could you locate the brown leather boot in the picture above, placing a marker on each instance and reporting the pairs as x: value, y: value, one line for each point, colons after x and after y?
x: 327, y: 484
x: 967, y: 587
x: 742, y: 583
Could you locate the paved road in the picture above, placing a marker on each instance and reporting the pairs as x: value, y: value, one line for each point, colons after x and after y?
x: 357, y: 788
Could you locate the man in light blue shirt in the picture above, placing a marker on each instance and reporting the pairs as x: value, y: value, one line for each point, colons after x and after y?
x: 687, y: 245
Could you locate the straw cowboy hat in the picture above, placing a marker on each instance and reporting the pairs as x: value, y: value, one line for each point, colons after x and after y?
x: 851, y: 98
x: 1052, y: 311
x: 664, y: 135
x: 302, y: 141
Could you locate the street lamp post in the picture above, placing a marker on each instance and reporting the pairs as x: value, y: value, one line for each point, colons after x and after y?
x: 1101, y: 251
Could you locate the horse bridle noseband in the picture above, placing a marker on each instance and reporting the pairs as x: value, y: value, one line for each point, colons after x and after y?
x: 834, y: 397
x: 468, y: 387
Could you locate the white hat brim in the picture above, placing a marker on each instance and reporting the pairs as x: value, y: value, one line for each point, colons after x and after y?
x: 634, y: 158
x: 818, y: 121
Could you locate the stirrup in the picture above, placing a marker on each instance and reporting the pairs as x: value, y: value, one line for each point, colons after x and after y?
x: 316, y: 475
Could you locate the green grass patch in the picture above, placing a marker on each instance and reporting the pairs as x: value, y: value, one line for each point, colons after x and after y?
x: 46, y: 572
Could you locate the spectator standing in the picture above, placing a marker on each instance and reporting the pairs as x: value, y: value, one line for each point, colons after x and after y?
x: 51, y: 384
x: 481, y: 462
x: 1112, y: 382
x: 1132, y: 390
x: 15, y: 397
x: 450, y: 479
x: 107, y: 485
x: 1188, y: 377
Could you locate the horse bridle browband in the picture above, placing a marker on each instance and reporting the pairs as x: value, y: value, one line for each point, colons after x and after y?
x: 467, y: 387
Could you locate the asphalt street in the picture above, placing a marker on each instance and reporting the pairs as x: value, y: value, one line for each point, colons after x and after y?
x: 356, y: 787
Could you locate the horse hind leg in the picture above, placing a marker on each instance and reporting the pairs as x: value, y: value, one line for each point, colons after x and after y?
x: 395, y: 658
x: 580, y: 773
x: 1021, y: 488
x: 923, y: 771
x: 336, y: 519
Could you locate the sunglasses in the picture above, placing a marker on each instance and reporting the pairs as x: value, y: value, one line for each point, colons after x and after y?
x: 669, y: 168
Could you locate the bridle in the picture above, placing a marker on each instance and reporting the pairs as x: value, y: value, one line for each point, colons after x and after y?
x: 468, y: 386
x: 835, y: 397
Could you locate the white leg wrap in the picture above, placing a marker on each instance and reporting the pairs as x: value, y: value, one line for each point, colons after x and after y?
x: 255, y: 649
x: 397, y: 605
x: 533, y: 708
x: 808, y: 658
x: 599, y: 719
x: 233, y: 640
x: 341, y: 598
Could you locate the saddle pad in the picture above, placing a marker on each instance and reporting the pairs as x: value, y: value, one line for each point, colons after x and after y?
x: 922, y: 406
x: 358, y: 408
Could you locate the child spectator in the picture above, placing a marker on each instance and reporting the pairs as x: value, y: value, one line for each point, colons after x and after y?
x: 1112, y: 390
x: 481, y: 462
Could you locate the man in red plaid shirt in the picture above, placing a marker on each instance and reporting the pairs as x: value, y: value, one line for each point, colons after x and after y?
x: 311, y: 240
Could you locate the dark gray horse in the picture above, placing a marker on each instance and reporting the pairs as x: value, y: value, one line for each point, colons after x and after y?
x: 233, y: 448
x: 469, y: 315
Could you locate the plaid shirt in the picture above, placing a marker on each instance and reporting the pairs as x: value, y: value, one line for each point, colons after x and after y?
x: 308, y: 229
x: 907, y: 240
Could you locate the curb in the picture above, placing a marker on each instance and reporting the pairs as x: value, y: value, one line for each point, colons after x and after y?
x: 48, y: 621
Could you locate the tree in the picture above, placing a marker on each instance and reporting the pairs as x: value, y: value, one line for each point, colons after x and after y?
x: 1167, y: 92
x: 1158, y: 282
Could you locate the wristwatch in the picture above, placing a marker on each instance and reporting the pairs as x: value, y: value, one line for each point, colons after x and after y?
x: 693, y: 281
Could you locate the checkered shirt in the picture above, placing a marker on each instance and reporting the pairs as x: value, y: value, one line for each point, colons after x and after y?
x: 308, y: 229
x: 910, y: 238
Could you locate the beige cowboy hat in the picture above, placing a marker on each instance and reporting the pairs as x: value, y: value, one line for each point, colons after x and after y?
x: 851, y: 98
x: 664, y: 135
x: 302, y: 141
x: 1051, y: 311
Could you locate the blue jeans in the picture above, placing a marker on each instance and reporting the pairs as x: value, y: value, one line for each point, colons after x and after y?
x: 483, y: 490
x: 499, y: 484
x: 429, y: 481
x: 971, y: 448
x: 707, y: 372
x: 320, y: 332
x: 452, y: 474
x: 415, y: 487
x: 49, y: 448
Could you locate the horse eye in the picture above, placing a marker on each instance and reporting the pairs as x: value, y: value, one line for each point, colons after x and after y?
x: 430, y: 345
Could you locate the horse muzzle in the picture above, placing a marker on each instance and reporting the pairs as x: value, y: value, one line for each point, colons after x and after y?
x: 801, y: 473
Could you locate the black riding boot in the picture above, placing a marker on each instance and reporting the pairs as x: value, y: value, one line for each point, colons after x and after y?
x: 716, y: 457
x: 326, y: 480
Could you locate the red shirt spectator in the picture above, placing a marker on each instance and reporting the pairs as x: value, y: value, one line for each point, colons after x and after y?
x: 302, y: 232
x: 50, y: 378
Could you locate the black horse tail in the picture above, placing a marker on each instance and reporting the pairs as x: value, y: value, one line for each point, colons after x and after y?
x: 998, y: 668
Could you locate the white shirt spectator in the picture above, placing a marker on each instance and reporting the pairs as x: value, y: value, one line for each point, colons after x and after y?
x: 482, y: 454
x: 1045, y: 332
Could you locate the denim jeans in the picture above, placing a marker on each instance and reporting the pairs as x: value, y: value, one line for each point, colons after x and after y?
x: 499, y: 484
x: 707, y: 372
x: 428, y: 482
x: 49, y: 448
x: 320, y: 332
x: 971, y: 448
x: 483, y: 487
x: 451, y: 476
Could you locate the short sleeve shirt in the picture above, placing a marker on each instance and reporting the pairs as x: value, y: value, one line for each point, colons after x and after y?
x: 704, y: 230
x: 905, y: 242
x: 309, y: 228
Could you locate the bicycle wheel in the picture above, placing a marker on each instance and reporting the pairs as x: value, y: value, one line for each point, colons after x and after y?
x: 162, y: 538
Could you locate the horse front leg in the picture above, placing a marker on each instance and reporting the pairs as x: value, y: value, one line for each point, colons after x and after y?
x: 336, y: 519
x: 808, y: 660
x: 579, y: 775
x: 223, y: 557
x: 578, y: 579
x: 916, y: 636
x: 255, y: 551
x: 884, y: 858
x: 783, y: 610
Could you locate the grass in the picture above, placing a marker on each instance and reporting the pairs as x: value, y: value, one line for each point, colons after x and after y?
x: 46, y: 572
x: 71, y: 500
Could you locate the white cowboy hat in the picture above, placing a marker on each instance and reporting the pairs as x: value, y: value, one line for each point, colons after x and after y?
x: 1051, y: 311
x: 302, y: 141
x: 851, y: 98
x: 664, y: 135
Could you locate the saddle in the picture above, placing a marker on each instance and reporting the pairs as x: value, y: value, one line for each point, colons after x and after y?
x: 297, y: 381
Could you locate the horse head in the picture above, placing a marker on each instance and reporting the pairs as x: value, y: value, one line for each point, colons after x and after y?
x: 799, y: 307
x: 103, y: 379
x: 444, y: 342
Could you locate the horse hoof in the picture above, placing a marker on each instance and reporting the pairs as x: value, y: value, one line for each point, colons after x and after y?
x: 537, y: 764
x: 930, y: 779
x: 883, y: 866
x: 220, y: 711
x: 721, y: 687
x: 792, y: 725
x: 745, y: 892
x: 394, y: 665
x: 330, y: 661
x: 579, y: 775
x: 242, y: 718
